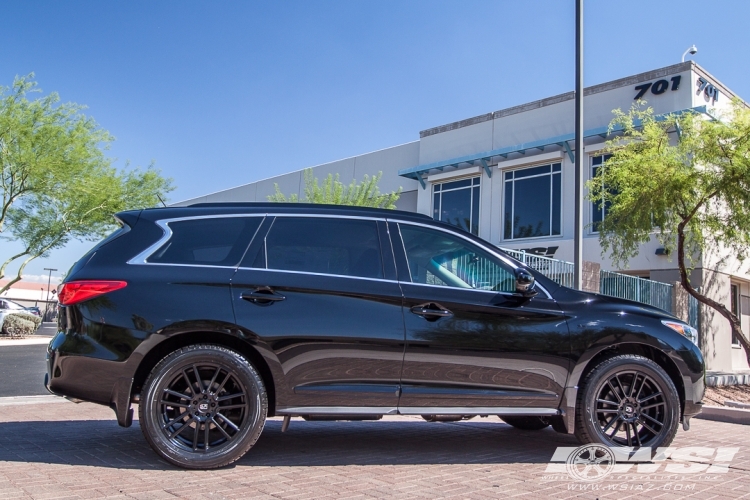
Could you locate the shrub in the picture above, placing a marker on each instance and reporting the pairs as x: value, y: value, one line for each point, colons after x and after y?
x: 20, y: 324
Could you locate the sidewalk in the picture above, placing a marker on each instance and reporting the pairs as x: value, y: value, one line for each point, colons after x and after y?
x: 62, y: 450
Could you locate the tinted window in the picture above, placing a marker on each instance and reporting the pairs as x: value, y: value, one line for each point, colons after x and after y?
x: 438, y: 258
x: 328, y: 246
x: 532, y: 201
x: 219, y: 241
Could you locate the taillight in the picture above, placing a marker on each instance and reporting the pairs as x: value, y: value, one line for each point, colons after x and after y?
x: 74, y: 292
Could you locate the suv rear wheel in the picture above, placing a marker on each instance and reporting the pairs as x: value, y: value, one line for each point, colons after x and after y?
x: 203, y: 406
x: 628, y: 401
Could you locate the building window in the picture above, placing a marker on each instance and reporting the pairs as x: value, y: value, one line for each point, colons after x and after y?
x: 735, y: 293
x: 598, y: 210
x: 457, y: 203
x: 533, y: 198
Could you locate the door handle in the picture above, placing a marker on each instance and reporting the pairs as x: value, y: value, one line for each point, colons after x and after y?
x: 263, y: 296
x: 430, y: 311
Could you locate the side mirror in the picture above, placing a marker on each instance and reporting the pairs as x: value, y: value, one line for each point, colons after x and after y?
x: 525, y: 283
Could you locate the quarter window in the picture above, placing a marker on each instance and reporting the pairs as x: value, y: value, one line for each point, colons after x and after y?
x: 438, y: 258
x: 457, y: 203
x: 533, y: 199
x: 598, y: 210
x: 341, y: 247
x: 217, y: 241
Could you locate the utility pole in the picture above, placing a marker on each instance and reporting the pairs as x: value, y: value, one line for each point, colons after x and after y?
x: 579, y: 157
x: 49, y: 280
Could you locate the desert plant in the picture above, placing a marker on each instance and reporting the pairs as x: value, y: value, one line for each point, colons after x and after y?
x: 20, y: 324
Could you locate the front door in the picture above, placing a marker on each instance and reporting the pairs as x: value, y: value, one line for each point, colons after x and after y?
x: 471, y: 341
x: 318, y: 294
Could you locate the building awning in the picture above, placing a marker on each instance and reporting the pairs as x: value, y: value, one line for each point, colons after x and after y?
x: 484, y: 159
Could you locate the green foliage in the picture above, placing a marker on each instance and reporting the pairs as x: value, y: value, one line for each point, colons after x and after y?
x: 20, y: 324
x: 334, y: 192
x: 685, y: 178
x: 57, y: 184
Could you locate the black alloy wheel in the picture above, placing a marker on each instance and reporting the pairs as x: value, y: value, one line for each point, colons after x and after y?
x: 203, y: 407
x: 628, y: 401
x: 525, y: 423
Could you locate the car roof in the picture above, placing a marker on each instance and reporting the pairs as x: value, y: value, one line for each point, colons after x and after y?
x: 263, y: 207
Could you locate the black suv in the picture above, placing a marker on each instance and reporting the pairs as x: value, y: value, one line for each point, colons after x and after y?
x: 214, y: 317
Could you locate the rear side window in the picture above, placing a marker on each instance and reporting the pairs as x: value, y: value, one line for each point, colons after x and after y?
x: 219, y: 241
x: 345, y: 247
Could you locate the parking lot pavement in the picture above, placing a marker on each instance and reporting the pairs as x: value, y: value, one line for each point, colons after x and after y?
x: 62, y: 450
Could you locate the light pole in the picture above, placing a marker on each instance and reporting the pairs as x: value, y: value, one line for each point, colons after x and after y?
x: 49, y: 280
x: 578, y: 238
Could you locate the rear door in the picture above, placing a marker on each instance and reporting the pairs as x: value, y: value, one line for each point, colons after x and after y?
x: 321, y: 293
x: 472, y: 342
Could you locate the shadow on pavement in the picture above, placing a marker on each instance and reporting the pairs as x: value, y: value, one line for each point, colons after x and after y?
x: 102, y: 443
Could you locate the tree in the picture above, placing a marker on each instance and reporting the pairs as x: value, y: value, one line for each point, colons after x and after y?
x: 333, y: 192
x: 56, y: 182
x: 684, y: 177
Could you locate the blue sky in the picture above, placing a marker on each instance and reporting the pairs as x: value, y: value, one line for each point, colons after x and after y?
x: 219, y: 94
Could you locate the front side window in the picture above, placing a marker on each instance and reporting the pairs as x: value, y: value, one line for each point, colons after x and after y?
x: 533, y: 198
x: 438, y: 258
x: 213, y: 241
x: 598, y: 210
x: 457, y: 203
x: 343, y: 247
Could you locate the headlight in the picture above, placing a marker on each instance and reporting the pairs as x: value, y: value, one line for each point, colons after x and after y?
x: 683, y: 329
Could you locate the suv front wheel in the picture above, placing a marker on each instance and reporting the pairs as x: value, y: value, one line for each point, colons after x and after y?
x: 203, y: 406
x: 630, y: 401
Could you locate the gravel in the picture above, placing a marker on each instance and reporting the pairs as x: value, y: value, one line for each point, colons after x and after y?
x: 716, y: 396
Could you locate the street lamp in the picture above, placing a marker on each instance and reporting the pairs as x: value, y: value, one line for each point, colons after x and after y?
x: 578, y: 160
x: 49, y: 280
x: 692, y: 51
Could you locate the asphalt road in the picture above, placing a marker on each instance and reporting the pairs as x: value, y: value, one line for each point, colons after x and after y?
x: 22, y: 370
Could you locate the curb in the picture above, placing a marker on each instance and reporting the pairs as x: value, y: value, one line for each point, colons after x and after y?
x: 724, y: 414
x: 31, y: 340
x: 31, y: 400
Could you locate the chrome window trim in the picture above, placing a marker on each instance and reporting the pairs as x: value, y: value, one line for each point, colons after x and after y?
x: 142, y: 258
x: 315, y: 274
x: 483, y: 247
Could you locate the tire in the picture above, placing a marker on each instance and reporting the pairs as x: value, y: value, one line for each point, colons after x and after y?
x: 627, y: 400
x: 525, y: 423
x: 202, y: 407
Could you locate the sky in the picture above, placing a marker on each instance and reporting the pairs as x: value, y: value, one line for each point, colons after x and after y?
x: 218, y: 94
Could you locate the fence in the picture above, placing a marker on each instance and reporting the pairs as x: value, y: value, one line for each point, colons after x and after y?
x: 610, y: 283
x: 637, y: 289
x: 559, y: 271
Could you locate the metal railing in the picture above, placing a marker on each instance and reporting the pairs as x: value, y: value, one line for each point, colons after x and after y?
x: 559, y: 271
x: 610, y: 283
x: 638, y: 289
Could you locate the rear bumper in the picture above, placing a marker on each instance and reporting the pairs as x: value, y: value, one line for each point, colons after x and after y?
x: 94, y: 380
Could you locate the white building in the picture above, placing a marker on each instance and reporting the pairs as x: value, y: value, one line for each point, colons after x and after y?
x: 508, y: 176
